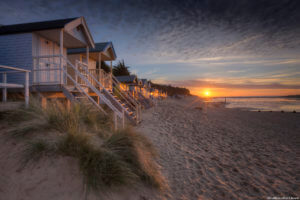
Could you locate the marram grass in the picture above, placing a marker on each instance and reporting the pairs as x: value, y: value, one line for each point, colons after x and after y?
x: 105, y: 158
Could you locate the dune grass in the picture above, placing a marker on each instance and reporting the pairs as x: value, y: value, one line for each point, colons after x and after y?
x: 136, y: 150
x: 100, y: 168
x: 106, y: 158
x: 35, y: 150
x: 28, y: 130
x: 16, y: 116
x: 124, y: 158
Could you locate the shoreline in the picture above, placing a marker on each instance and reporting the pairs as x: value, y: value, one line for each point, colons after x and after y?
x: 255, y: 107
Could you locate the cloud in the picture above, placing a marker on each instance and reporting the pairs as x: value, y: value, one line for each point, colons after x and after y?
x: 189, y: 39
x: 212, y: 84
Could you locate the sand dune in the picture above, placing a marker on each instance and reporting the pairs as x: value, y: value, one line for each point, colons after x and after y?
x: 219, y: 153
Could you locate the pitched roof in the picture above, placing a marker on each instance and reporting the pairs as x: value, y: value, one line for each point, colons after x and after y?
x: 34, y: 26
x: 127, y: 79
x: 99, y: 47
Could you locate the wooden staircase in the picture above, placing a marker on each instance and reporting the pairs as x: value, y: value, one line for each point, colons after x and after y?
x: 120, y: 105
x: 128, y: 110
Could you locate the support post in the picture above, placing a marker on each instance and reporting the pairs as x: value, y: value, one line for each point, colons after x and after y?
x: 87, y: 55
x: 38, y: 72
x: 61, y: 52
x: 68, y: 104
x: 123, y: 118
x: 111, y: 72
x: 43, y: 102
x: 100, y: 73
x: 76, y: 72
x: 116, y: 121
x: 4, y: 90
x: 26, y: 89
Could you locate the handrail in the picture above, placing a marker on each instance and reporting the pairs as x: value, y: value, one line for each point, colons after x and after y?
x: 118, y: 84
x: 133, y: 104
x: 94, y: 89
x: 133, y: 101
x: 82, y: 90
x: 14, y: 68
x: 95, y: 84
x: 126, y: 99
x: 101, y: 86
x: 5, y: 84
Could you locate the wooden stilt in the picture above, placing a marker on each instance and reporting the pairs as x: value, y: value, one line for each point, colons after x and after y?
x: 68, y: 104
x: 116, y: 121
x: 44, y: 102
x: 26, y: 89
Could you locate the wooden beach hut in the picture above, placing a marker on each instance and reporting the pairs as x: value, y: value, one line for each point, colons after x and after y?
x: 103, y: 52
x: 41, y: 48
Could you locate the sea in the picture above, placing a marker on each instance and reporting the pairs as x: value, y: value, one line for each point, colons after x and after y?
x: 286, y: 104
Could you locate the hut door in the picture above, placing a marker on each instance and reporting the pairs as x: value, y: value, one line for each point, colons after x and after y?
x: 49, y: 64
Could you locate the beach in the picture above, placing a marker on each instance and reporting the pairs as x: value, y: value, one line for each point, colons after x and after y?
x: 206, y: 151
x: 211, y: 152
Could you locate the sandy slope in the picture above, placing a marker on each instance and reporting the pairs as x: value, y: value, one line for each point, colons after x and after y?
x: 219, y: 153
x: 51, y: 178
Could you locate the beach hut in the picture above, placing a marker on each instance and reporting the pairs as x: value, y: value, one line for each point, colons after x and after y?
x: 101, y: 53
x: 129, y: 83
x: 90, y: 65
x: 134, y: 87
x: 41, y: 48
x: 145, y: 89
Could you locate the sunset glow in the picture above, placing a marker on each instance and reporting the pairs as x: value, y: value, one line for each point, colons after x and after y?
x: 233, y: 92
x: 207, y: 93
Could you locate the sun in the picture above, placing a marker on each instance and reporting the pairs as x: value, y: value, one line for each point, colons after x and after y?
x: 207, y: 93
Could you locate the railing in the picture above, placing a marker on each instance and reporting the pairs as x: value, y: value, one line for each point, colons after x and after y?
x: 101, y: 87
x: 99, y: 78
x: 4, y: 85
x: 126, y: 97
x: 98, y: 74
x: 57, y: 69
x: 102, y: 77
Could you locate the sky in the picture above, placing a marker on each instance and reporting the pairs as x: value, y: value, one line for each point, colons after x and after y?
x: 227, y: 47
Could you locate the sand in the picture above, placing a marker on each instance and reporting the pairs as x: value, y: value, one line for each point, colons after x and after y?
x: 208, y: 152
x: 211, y: 152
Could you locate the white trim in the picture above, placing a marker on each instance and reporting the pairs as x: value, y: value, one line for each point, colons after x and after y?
x: 77, y: 22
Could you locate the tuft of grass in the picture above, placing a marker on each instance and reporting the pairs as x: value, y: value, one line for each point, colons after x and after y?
x: 16, y: 116
x: 62, y: 119
x: 22, y: 114
x: 100, y: 168
x: 23, y: 132
x: 135, y: 149
x: 76, y: 119
x: 96, y: 120
x: 36, y: 149
x: 115, y: 159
